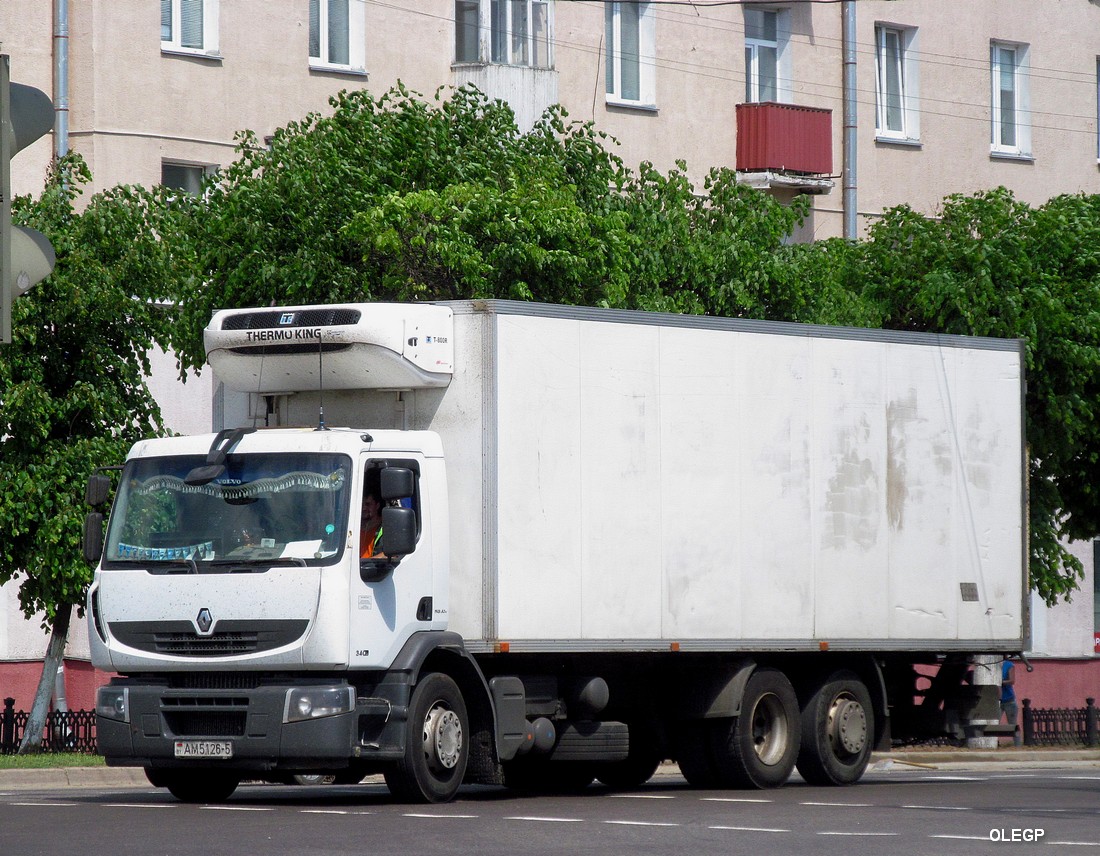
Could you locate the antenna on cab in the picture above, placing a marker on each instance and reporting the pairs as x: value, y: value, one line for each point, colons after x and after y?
x: 321, y: 381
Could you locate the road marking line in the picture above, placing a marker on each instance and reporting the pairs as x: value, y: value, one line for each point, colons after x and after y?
x: 963, y: 837
x: 323, y: 811
x: 140, y: 805
x: 643, y: 796
x: 236, y: 808
x: 636, y: 823
x: 952, y: 779
x: 43, y: 804
x: 941, y: 807
x: 547, y: 819
x: 443, y: 816
x: 862, y: 834
x: 748, y: 828
x: 839, y: 805
x: 733, y: 800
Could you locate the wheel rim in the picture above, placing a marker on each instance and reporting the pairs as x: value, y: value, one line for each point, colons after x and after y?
x: 847, y: 726
x: 769, y: 729
x: 442, y: 737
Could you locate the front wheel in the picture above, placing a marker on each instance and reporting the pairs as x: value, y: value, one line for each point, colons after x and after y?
x: 436, y: 744
x: 838, y: 726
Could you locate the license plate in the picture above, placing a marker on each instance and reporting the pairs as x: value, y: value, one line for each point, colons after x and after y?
x: 204, y: 749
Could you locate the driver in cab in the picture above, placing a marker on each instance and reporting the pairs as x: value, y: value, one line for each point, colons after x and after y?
x: 370, y: 527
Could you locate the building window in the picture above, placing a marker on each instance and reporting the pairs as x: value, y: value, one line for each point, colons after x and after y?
x: 518, y: 32
x: 186, y: 177
x: 761, y: 55
x: 337, y: 35
x: 896, y: 116
x: 189, y: 26
x: 1011, y: 125
x: 630, y: 36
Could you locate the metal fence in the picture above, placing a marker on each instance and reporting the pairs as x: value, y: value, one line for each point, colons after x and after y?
x: 68, y: 731
x: 1067, y: 726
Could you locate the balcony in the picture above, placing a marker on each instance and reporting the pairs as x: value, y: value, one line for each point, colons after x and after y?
x: 785, y: 146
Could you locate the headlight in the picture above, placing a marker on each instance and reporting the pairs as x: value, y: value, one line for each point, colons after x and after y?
x: 113, y: 703
x: 314, y: 702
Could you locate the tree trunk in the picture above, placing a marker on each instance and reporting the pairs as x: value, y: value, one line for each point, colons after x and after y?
x: 55, y: 653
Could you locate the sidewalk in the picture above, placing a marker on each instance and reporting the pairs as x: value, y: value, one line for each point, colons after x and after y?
x: 899, y: 760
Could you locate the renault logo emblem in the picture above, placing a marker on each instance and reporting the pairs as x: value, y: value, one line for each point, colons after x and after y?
x: 205, y: 620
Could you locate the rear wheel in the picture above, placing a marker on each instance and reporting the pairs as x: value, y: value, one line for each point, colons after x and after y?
x: 436, y: 744
x: 758, y: 748
x: 838, y: 727
x: 197, y: 786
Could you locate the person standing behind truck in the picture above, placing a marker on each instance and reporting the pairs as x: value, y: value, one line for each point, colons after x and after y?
x: 370, y: 527
x: 1008, y: 699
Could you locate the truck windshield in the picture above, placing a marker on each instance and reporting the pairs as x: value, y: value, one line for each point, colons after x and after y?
x: 263, y: 511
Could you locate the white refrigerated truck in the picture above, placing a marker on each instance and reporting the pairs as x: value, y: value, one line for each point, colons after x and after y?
x: 609, y: 539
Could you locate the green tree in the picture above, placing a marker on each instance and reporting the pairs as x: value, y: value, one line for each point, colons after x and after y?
x: 72, y: 387
x: 401, y: 198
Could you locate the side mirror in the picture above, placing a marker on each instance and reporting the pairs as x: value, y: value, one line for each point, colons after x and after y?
x: 396, y: 483
x: 398, y: 531
x: 93, y: 537
x: 98, y: 489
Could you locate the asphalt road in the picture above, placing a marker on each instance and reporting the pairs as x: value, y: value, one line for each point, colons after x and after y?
x: 899, y: 808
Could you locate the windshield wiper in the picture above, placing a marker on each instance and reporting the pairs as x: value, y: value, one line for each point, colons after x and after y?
x: 257, y: 565
x: 187, y: 564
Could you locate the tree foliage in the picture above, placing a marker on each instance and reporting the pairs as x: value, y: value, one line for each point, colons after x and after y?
x: 72, y: 382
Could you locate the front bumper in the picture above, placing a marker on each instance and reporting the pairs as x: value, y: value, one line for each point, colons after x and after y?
x: 253, y: 720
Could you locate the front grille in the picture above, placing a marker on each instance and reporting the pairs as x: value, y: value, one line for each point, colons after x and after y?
x: 213, y: 680
x: 206, y: 723
x: 179, y: 638
x: 268, y: 319
x: 214, y: 645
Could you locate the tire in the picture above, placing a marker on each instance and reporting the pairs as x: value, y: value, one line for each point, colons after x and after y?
x: 695, y: 756
x: 838, y: 727
x: 198, y: 786
x: 758, y: 748
x: 437, y: 744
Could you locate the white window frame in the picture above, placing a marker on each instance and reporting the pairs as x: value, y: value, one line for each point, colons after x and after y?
x: 900, y: 57
x: 356, y: 34
x: 512, y: 36
x: 201, y: 171
x: 1011, y: 59
x: 174, y: 42
x: 616, y: 60
x: 507, y: 33
x: 757, y: 49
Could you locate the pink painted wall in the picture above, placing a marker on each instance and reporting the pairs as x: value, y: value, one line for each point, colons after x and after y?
x: 20, y: 681
x: 1058, y: 683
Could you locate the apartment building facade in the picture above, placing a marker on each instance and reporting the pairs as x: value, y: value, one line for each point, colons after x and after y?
x: 860, y: 105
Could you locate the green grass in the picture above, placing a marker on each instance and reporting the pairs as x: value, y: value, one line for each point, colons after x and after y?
x: 45, y: 760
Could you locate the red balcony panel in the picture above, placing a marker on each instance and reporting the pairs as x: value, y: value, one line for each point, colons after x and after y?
x: 784, y: 138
